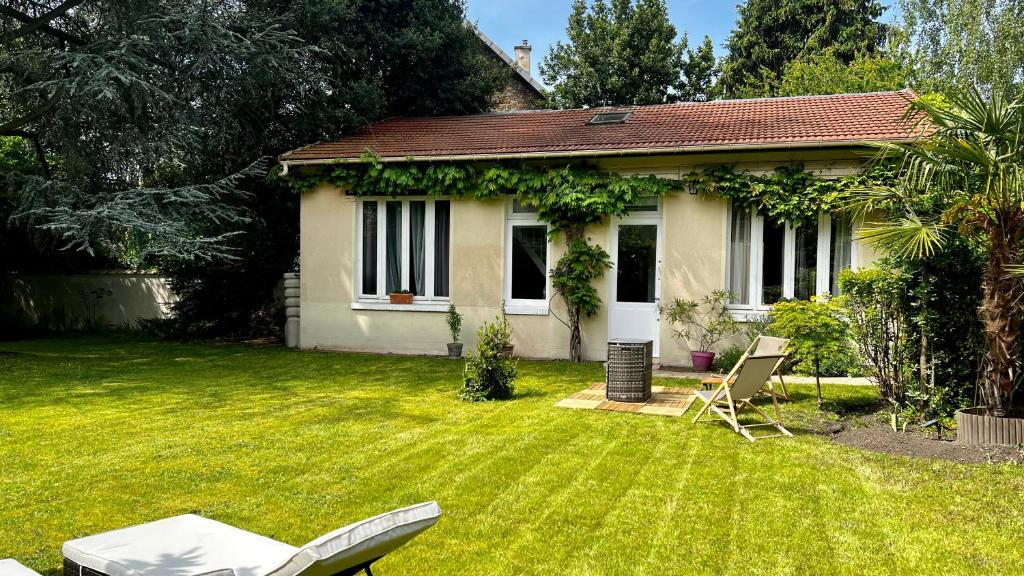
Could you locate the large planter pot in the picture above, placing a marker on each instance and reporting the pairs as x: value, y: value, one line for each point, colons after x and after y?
x: 400, y: 298
x: 975, y: 426
x: 507, y: 351
x: 455, y: 350
x: 702, y: 361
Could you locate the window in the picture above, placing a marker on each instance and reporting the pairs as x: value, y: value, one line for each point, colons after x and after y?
x: 415, y: 237
x: 768, y: 262
x: 610, y: 118
x: 526, y: 262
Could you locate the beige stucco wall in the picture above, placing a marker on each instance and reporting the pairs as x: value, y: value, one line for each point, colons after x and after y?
x: 75, y: 301
x: 693, y: 264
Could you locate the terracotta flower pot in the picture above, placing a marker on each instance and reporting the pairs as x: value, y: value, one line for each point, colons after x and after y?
x: 400, y: 298
x: 702, y: 361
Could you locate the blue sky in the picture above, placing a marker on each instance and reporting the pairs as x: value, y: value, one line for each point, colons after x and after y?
x: 542, y: 22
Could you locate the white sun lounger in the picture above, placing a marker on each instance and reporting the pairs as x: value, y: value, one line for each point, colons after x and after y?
x: 10, y: 567
x: 191, y: 545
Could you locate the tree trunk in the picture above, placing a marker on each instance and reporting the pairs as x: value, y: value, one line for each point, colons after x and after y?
x: 1001, y: 316
x: 575, y: 337
x: 817, y: 381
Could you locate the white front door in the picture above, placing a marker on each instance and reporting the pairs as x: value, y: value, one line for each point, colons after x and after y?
x: 636, y: 278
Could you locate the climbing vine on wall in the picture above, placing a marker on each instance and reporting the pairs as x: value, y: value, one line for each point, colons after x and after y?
x: 788, y: 193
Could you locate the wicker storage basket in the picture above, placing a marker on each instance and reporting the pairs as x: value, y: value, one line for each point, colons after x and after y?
x: 629, y: 370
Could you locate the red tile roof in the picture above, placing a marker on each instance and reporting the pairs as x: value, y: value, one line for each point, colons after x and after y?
x: 803, y: 121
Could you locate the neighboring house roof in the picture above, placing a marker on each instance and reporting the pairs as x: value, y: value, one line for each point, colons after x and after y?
x: 762, y: 124
x: 524, y: 74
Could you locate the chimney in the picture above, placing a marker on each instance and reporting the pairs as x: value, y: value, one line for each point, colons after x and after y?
x: 523, y: 55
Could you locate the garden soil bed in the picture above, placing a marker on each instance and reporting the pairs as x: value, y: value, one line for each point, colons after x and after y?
x: 867, y: 433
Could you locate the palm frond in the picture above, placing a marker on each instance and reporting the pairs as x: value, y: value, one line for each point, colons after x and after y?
x: 908, y: 237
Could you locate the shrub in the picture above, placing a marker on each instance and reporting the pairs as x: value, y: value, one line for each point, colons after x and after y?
x: 817, y: 331
x: 877, y: 305
x: 489, y: 374
x: 454, y: 320
x: 727, y: 359
x: 706, y: 323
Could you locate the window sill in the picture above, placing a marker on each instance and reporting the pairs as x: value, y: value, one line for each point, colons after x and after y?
x: 414, y: 307
x: 747, y: 314
x: 527, y: 310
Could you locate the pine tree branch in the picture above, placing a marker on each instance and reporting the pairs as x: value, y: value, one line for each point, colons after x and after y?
x: 41, y: 23
x: 11, y: 127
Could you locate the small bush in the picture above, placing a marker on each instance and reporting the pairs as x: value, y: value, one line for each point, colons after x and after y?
x: 489, y: 374
x: 727, y: 359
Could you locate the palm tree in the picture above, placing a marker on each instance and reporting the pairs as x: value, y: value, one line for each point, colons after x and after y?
x: 965, y: 177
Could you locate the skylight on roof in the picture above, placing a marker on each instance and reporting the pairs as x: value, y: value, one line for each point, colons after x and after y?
x: 609, y: 118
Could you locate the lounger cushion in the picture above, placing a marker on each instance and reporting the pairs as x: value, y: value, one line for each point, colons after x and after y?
x: 187, y: 545
x: 362, y: 542
x: 10, y: 567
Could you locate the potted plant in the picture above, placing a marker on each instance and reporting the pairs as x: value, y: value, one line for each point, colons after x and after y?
x: 400, y: 297
x: 704, y: 323
x: 454, y: 320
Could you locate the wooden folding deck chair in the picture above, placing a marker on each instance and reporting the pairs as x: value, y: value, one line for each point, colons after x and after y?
x: 763, y: 346
x: 750, y: 375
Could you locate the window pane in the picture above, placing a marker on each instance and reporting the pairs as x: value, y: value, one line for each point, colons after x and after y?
x: 442, y: 235
x: 841, y: 250
x: 518, y: 208
x: 773, y: 240
x: 393, y: 264
x: 805, y: 271
x: 637, y: 263
x: 644, y: 205
x: 417, y: 247
x: 529, y: 262
x: 369, y: 248
x: 739, y: 257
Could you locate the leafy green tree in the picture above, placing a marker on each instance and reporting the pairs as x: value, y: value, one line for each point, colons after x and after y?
x: 970, y: 176
x: 699, y: 71
x: 957, y: 45
x: 769, y: 34
x: 824, y: 73
x: 152, y: 110
x: 816, y: 328
x: 146, y: 117
x: 621, y: 53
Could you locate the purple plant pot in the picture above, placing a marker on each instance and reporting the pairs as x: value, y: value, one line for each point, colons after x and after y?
x: 702, y: 361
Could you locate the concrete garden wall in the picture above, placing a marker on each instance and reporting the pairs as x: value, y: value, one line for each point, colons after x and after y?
x: 82, y: 300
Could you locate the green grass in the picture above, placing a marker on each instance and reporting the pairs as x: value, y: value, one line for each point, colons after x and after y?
x: 99, y: 433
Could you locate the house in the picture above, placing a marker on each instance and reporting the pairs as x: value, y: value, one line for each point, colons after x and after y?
x: 494, y: 254
x: 522, y: 91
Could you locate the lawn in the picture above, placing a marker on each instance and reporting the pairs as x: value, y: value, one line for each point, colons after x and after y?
x: 100, y: 433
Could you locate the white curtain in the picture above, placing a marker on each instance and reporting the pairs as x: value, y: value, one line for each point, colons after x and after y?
x: 739, y: 256
x: 841, y: 249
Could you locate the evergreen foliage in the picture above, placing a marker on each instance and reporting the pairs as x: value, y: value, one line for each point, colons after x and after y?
x: 625, y: 52
x: 146, y: 118
x: 769, y: 34
x: 490, y: 374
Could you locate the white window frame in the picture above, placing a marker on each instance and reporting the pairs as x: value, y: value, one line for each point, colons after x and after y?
x: 822, y: 281
x: 522, y: 305
x: 381, y: 300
